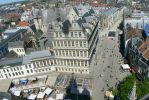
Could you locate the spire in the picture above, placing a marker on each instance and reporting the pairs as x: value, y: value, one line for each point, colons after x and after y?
x: 132, y: 95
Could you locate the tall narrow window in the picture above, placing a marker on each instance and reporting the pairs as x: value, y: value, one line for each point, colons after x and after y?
x: 71, y: 34
x: 85, y: 63
x: 81, y: 53
x: 76, y: 35
x: 75, y: 63
x: 80, y: 34
x: 68, y: 62
x: 78, y: 53
x: 60, y: 53
x: 58, y: 43
x: 60, y: 33
x: 66, y: 53
x: 82, y: 64
x: 76, y: 43
x: 65, y: 43
x: 72, y: 43
x: 56, y: 34
x: 44, y: 63
x: 63, y: 53
x: 69, y: 43
x: 80, y: 43
x: 84, y: 43
x: 85, y: 53
x: 74, y: 53
x: 70, y: 53
x: 71, y: 63
x: 37, y: 63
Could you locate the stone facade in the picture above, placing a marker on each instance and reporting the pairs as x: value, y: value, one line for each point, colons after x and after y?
x: 73, y: 41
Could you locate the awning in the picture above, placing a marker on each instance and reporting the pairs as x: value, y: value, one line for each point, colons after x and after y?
x: 32, y: 97
x: 125, y: 66
x: 40, y: 95
x: 59, y: 96
x: 17, y: 93
x: 32, y: 78
x: 13, y: 89
x: 50, y: 98
x: 107, y: 93
x: 48, y: 91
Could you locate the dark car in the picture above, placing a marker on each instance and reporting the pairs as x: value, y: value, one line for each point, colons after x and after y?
x: 117, y: 98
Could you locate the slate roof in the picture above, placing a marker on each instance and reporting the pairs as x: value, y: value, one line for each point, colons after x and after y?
x: 36, y: 55
x: 11, y: 61
x: 66, y: 25
x: 110, y: 11
x: 12, y: 33
x: 25, y: 59
x: 16, y: 44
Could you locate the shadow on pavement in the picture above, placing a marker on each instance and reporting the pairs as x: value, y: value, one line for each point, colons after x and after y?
x: 75, y: 92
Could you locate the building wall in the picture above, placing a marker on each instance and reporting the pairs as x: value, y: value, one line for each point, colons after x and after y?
x: 38, y: 66
x: 136, y: 61
x: 71, y: 54
x: 73, y: 50
x: 19, y: 51
x: 16, y: 71
x: 110, y: 20
x: 4, y: 43
x: 136, y: 22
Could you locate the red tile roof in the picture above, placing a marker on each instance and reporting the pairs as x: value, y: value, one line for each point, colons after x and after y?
x: 144, y: 46
x: 23, y: 24
x: 133, y: 33
x: 146, y: 54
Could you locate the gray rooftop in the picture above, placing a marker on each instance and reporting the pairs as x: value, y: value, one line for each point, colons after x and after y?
x: 11, y: 61
x: 87, y: 20
x: 25, y: 59
x: 10, y: 37
x: 16, y: 44
x: 36, y: 55
x: 110, y: 11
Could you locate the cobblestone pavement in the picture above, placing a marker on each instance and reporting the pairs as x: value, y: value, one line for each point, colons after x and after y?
x: 105, y: 66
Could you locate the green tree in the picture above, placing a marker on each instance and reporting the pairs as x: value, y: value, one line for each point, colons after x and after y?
x: 126, y: 86
x: 142, y: 88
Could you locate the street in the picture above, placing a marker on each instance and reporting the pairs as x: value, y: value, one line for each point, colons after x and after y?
x: 106, y: 68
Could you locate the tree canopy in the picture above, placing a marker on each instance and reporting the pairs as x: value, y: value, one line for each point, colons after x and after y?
x: 126, y: 86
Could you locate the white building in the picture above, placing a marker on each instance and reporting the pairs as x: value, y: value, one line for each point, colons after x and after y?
x: 73, y: 40
x: 138, y: 20
x: 27, y: 16
x: 110, y: 16
x: 35, y: 63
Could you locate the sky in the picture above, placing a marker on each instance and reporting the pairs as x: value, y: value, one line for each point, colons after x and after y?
x: 8, y: 1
